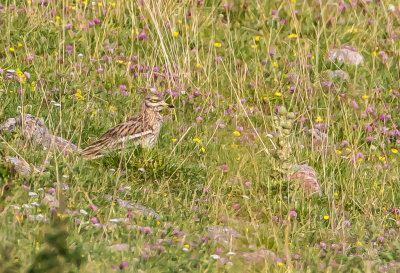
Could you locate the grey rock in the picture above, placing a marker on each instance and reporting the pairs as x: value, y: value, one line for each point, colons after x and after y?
x: 119, y: 247
x: 50, y: 201
x: 138, y: 208
x: 332, y: 74
x: 345, y: 55
x: 260, y: 256
x: 34, y: 129
x: 21, y: 166
x: 222, y: 234
x: 307, y: 177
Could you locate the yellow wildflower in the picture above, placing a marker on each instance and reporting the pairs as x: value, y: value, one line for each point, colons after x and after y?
x: 364, y: 97
x: 236, y: 133
x: 33, y: 86
x: 217, y: 44
x: 197, y: 140
x: 394, y: 150
x: 318, y: 119
x: 278, y: 94
x: 175, y: 33
x: 257, y: 38
x: 12, y: 49
x: 113, y: 108
x: 78, y: 95
x: 326, y: 217
x: 293, y: 35
x: 275, y: 64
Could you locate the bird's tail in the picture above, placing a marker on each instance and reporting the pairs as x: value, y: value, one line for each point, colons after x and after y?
x: 95, y: 149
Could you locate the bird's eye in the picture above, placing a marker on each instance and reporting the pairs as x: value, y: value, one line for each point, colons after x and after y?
x: 153, y: 101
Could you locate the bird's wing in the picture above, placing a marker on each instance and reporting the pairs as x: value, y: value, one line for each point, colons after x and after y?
x: 133, y: 129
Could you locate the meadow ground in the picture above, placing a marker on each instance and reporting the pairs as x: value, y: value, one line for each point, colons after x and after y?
x: 224, y: 152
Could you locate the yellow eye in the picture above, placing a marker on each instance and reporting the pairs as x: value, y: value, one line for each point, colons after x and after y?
x: 153, y: 101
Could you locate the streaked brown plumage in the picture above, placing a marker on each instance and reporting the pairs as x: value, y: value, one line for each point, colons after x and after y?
x: 142, y: 129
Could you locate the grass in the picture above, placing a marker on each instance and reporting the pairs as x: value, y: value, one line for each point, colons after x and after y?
x: 226, y: 69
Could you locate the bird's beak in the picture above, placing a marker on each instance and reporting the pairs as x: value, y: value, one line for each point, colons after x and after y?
x: 168, y: 105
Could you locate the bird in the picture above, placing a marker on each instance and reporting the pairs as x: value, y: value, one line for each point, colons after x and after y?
x: 143, y: 129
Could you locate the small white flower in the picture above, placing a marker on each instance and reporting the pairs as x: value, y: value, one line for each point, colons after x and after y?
x: 215, y: 257
x: 114, y: 221
x: 246, y: 197
x: 40, y: 189
x: 391, y: 7
x: 84, y: 212
x: 57, y: 104
x: 16, y: 207
x: 230, y: 253
x: 80, y: 55
x: 31, y: 193
x: 185, y: 249
x: 269, y: 135
x: 39, y: 217
x: 66, y: 176
x: 10, y: 71
x: 112, y: 170
x: 36, y: 204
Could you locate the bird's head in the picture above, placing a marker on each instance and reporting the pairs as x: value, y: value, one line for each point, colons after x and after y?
x: 155, y: 102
